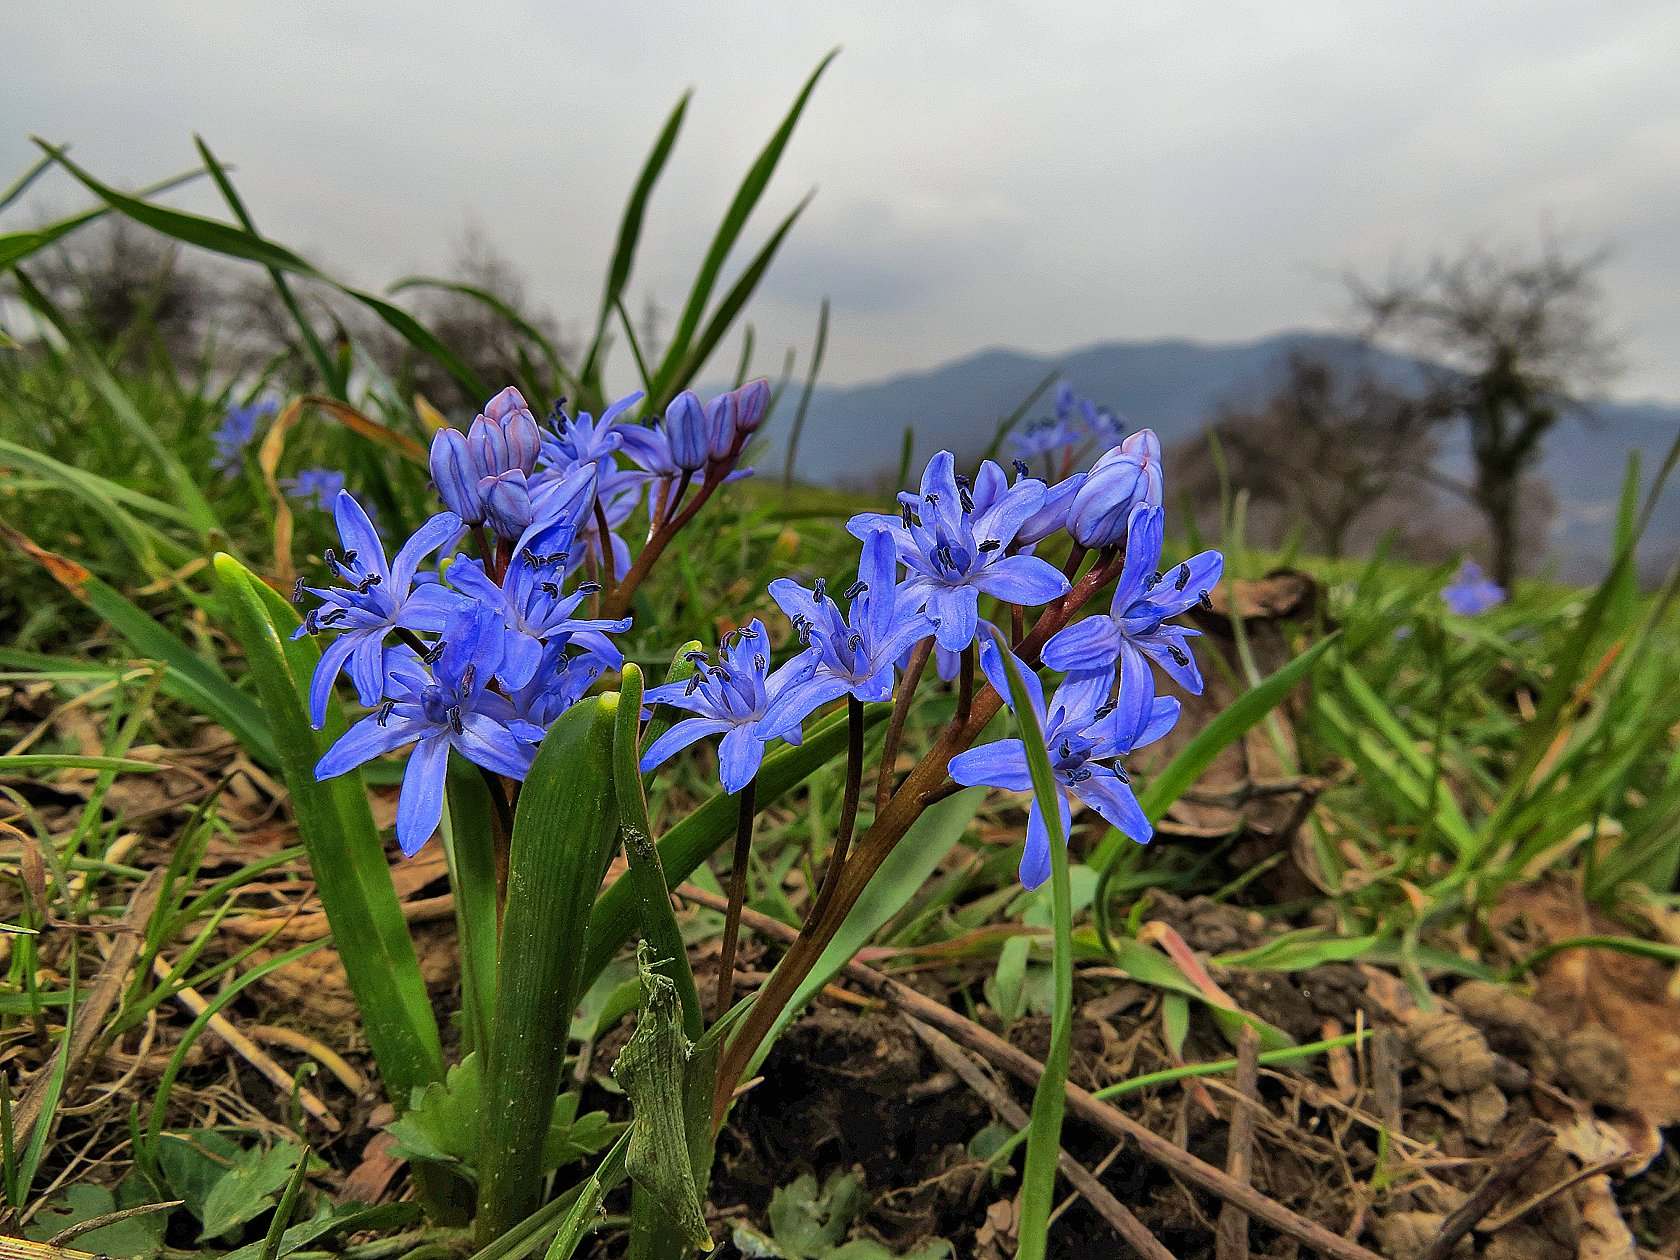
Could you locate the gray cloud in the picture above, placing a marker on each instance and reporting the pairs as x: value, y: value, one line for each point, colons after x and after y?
x: 1043, y: 175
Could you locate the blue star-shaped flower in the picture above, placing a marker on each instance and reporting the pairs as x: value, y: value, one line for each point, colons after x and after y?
x: 446, y: 706
x: 1136, y: 624
x: 375, y: 599
x: 729, y: 699
x: 955, y: 552
x: 1471, y: 591
x: 854, y: 653
x: 1083, y: 734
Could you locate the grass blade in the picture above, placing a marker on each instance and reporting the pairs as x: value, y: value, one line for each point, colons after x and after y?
x: 1044, y: 1136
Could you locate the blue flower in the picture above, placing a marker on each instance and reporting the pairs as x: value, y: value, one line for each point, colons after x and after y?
x: 1135, y: 625
x: 375, y: 599
x: 688, y: 432
x: 315, y: 486
x: 1103, y: 424
x: 955, y: 552
x: 729, y: 698
x: 533, y: 609
x: 1044, y: 437
x: 499, y: 450
x: 582, y: 439
x: 1125, y: 477
x: 234, y: 434
x: 752, y: 404
x: 1083, y: 734
x: 560, y: 681
x: 447, y: 706
x: 1471, y: 591
x: 855, y: 653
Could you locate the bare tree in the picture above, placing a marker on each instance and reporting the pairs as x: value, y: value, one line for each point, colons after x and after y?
x: 1329, y: 446
x: 1520, y: 342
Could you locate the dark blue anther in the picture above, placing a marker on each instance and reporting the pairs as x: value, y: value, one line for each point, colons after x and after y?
x: 1183, y: 577
x: 384, y: 711
x: 297, y: 591
x: 1205, y: 600
x: 855, y: 589
x: 1178, y: 654
x: 431, y: 654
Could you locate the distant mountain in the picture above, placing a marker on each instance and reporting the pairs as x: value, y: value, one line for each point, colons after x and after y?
x: 853, y: 435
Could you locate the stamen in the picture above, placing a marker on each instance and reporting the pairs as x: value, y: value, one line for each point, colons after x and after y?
x: 855, y: 589
x: 965, y: 498
x: 297, y: 591
x: 855, y: 642
x: 695, y: 657
x: 693, y: 685
x: 746, y: 632
x: 1205, y: 600
x: 588, y: 588
x: 331, y: 616
x: 312, y: 621
x: 760, y: 663
x: 991, y: 544
x: 932, y: 499
x: 431, y: 654
x: 1105, y: 710
x: 1079, y: 775
x: 904, y: 515
x: 454, y: 716
x: 384, y: 711
x: 1120, y: 773
x: 1153, y: 582
x: 1021, y: 468
x: 368, y: 583
x: 551, y: 589
x: 819, y: 592
x: 1183, y: 577
x: 1178, y: 654
x: 468, y: 676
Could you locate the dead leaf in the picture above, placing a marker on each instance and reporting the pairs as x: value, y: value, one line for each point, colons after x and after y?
x: 1627, y: 995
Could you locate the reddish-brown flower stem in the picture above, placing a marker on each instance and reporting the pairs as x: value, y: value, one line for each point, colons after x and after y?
x: 737, y: 898
x: 873, y: 847
x: 965, y: 686
x: 848, y: 806
x: 888, y: 772
x: 617, y: 602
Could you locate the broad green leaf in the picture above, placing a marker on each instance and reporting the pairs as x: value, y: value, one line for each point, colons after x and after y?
x: 346, y: 856
x: 563, y: 834
x: 246, y: 1190
x: 137, y: 1238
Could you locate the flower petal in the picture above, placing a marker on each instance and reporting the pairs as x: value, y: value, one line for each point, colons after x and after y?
x: 799, y: 701
x: 366, y: 740
x: 486, y: 742
x: 442, y: 530
x: 740, y: 753
x: 1105, y: 793
x: 1035, y: 857
x: 420, y: 805
x: 679, y: 737
x: 1001, y: 765
x: 326, y: 673
x: 1023, y: 580
x: 357, y: 534
x: 956, y: 613
x: 1091, y: 643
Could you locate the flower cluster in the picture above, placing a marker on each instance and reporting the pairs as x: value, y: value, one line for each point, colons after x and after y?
x: 480, y: 653
x: 1076, y: 422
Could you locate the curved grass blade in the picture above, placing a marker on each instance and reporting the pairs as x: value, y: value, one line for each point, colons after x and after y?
x: 563, y: 833
x: 1044, y: 1135
x: 324, y: 363
x: 629, y: 234
x: 817, y: 352
x: 729, y: 230
x: 235, y: 242
x: 499, y: 306
x: 16, y: 246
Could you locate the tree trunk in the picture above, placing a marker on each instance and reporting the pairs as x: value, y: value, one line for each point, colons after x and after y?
x: 1496, y: 495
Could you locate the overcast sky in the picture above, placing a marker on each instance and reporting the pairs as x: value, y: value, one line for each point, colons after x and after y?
x: 1038, y: 175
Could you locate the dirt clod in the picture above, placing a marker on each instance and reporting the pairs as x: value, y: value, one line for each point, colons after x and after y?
x: 1595, y: 1063
x: 1457, y: 1054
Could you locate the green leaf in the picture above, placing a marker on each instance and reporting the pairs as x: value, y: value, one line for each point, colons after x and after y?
x: 330, y: 1219
x: 653, y: 1071
x: 808, y: 1223
x: 191, y: 1166
x: 346, y: 856
x: 30, y: 763
x: 563, y: 834
x: 248, y: 1189
x: 441, y: 1123
x: 16, y: 246
x: 137, y: 1238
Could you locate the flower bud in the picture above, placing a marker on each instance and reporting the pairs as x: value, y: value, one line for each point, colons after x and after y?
x: 720, y: 426
x: 1125, y: 477
x: 752, y: 403
x: 455, y: 475
x: 505, y: 404
x: 507, y: 503
x: 686, y: 428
